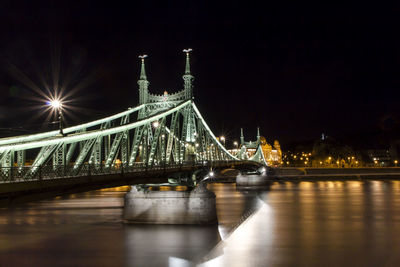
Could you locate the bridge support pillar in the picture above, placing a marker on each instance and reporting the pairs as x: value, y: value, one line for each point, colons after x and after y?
x: 170, y: 207
x: 251, y: 180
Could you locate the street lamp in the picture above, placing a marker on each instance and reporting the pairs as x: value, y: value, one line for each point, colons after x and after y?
x: 236, y: 144
x: 57, y: 106
x: 222, y: 138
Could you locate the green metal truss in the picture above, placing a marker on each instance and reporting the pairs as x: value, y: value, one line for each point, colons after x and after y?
x: 161, y: 130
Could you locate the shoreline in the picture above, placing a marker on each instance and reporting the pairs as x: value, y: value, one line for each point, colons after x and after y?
x: 323, y: 174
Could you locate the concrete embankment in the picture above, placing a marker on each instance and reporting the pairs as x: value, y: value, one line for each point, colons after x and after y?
x: 334, y: 173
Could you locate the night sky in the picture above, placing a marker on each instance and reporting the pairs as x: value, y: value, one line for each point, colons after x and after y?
x: 294, y: 70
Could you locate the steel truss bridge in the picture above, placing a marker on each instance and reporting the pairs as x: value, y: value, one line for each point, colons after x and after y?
x: 162, y: 136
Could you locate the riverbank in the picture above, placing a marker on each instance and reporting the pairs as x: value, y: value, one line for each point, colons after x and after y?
x: 288, y: 173
x: 312, y: 174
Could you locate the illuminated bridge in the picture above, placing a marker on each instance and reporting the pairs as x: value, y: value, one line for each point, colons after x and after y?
x: 163, y: 139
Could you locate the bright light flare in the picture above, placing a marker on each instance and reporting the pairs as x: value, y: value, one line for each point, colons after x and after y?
x: 55, y: 103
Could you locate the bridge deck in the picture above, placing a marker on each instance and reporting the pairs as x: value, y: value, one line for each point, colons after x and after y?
x: 47, y: 182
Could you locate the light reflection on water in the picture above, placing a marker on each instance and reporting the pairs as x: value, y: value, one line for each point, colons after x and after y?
x: 350, y: 223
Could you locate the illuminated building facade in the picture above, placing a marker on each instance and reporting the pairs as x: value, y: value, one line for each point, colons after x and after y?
x: 272, y: 153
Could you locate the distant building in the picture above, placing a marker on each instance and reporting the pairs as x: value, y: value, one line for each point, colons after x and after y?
x: 395, y: 149
x: 271, y: 153
x: 381, y: 157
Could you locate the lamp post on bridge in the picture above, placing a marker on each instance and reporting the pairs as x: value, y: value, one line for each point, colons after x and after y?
x: 57, y: 106
x: 222, y: 138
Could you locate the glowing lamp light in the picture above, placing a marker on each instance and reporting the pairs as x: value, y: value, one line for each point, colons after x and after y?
x: 156, y: 124
x: 55, y: 103
x: 211, y: 174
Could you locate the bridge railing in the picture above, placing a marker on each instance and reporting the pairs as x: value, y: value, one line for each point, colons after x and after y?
x: 48, y: 172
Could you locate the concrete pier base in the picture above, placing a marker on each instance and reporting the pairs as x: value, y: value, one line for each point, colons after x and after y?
x: 251, y: 180
x: 170, y: 207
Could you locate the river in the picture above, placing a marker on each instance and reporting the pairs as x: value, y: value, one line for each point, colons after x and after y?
x: 322, y: 223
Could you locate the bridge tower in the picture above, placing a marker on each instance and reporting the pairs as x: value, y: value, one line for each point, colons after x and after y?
x: 253, y: 146
x: 188, y: 77
x: 143, y: 83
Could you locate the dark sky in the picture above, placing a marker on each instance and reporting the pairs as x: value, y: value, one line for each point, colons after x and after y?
x: 294, y: 70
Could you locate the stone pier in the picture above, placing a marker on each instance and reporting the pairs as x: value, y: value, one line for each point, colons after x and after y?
x: 170, y: 207
x: 250, y: 180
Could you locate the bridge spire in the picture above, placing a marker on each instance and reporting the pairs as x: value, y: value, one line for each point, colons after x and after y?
x: 143, y: 83
x: 258, y: 134
x: 188, y: 77
x: 241, y: 136
x: 143, y: 70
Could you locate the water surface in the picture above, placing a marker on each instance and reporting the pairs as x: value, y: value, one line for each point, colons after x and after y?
x: 349, y: 223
